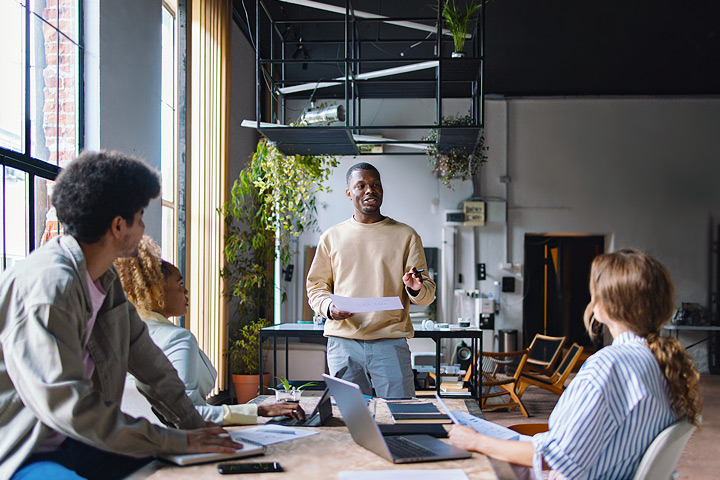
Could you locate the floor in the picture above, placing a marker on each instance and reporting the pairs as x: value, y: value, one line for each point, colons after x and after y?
x: 701, y: 457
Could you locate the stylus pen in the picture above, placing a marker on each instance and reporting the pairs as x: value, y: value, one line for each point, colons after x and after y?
x: 417, y: 272
x: 284, y: 432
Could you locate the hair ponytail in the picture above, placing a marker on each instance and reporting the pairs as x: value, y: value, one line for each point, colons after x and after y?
x: 636, y: 290
x: 682, y: 377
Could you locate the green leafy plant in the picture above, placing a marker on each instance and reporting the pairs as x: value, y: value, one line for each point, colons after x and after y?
x: 272, y: 200
x: 244, y: 350
x: 458, y: 20
x: 288, y: 387
x: 455, y: 162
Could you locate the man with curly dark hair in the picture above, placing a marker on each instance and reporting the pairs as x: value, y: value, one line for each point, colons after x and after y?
x: 68, y: 336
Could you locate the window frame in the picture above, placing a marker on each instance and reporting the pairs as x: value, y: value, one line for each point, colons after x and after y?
x: 174, y: 205
x: 25, y: 161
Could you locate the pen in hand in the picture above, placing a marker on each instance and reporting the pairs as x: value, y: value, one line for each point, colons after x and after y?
x: 417, y: 273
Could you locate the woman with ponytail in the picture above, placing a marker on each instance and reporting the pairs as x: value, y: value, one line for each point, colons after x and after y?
x: 625, y: 394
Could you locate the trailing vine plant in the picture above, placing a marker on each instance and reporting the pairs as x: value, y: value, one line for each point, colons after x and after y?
x: 274, y: 196
x: 455, y: 162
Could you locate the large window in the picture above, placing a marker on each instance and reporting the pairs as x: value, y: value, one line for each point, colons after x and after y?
x: 169, y: 133
x: 40, y: 113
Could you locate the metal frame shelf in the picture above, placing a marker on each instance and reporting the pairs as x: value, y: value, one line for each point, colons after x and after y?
x: 363, y: 77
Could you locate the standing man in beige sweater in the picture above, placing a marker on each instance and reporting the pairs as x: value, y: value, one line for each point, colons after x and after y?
x: 370, y: 255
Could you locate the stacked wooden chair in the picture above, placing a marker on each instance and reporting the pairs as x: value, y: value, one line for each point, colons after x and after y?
x: 556, y: 381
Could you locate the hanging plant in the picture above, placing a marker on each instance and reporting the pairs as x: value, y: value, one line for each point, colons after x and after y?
x: 455, y: 162
x: 274, y: 197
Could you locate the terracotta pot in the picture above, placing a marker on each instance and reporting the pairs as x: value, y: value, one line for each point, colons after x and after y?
x: 246, y: 386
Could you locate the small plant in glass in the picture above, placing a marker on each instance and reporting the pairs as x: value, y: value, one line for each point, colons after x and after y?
x: 287, y: 392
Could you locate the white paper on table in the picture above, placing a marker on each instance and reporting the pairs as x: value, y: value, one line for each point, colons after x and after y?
x: 488, y: 428
x: 269, y: 434
x: 454, y: 474
x: 368, y: 304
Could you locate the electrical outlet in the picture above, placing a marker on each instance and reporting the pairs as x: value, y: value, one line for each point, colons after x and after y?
x: 481, y: 273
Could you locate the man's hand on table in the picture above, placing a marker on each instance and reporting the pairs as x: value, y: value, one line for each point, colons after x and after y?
x: 210, y: 440
x: 288, y: 409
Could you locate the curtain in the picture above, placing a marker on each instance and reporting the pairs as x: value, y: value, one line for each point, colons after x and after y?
x: 209, y: 43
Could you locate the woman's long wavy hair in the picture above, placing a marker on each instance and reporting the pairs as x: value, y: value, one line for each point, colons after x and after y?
x: 143, y: 276
x: 636, y: 290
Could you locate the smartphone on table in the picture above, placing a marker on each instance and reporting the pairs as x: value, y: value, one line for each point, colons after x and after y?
x: 263, y: 467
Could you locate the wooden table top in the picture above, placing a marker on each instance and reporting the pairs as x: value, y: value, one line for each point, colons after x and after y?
x: 323, y: 456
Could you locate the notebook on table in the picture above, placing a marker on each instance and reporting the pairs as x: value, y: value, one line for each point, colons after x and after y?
x: 432, y: 429
x: 365, y: 432
x: 417, y: 413
x: 319, y: 416
x: 250, y: 449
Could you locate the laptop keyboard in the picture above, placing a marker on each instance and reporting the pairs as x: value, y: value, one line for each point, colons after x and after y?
x: 401, y: 447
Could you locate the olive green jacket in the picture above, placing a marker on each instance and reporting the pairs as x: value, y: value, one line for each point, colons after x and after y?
x: 44, y: 308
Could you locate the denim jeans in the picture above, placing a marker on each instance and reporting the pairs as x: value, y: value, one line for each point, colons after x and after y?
x: 383, y: 365
x: 76, y: 461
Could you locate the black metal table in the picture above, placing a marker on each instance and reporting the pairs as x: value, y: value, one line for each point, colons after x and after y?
x: 303, y: 330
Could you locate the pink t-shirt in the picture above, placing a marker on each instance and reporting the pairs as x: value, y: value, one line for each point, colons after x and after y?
x: 97, y: 297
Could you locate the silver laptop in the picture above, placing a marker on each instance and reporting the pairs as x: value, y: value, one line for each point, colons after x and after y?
x: 365, y: 432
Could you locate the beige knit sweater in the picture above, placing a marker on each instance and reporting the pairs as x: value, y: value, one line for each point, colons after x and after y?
x: 368, y: 260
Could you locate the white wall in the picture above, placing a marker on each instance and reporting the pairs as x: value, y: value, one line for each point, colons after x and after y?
x: 122, y: 83
x: 643, y: 172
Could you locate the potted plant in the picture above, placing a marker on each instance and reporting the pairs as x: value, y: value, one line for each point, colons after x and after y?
x: 458, y: 20
x: 456, y: 162
x: 244, y: 360
x: 273, y: 200
x: 289, y: 392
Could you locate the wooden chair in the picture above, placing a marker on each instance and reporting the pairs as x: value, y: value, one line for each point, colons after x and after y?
x: 529, y: 429
x: 544, y: 353
x: 500, y: 373
x: 556, y: 382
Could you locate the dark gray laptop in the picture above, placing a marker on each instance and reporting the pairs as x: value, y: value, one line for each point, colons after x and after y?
x: 319, y: 416
x: 365, y: 432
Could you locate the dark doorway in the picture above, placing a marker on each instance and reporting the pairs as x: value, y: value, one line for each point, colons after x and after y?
x: 557, y: 272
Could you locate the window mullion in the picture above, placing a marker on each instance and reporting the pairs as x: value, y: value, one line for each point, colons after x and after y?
x: 30, y: 221
x: 26, y: 87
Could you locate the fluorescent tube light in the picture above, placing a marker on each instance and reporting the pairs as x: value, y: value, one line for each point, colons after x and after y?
x: 363, y: 76
x: 358, y: 13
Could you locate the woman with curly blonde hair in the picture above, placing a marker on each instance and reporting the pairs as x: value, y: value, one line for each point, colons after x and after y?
x: 157, y: 290
x: 625, y: 394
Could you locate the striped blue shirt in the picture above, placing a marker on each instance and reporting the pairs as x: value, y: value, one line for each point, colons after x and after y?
x: 609, y: 414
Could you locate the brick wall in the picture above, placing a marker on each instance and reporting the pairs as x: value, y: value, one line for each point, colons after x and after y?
x: 60, y: 92
x: 60, y: 109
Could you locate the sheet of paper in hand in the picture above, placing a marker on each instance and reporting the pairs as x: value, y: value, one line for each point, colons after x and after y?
x: 370, y: 304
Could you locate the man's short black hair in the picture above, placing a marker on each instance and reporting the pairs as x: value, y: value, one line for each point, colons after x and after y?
x: 357, y: 167
x: 96, y: 187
